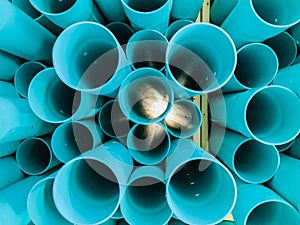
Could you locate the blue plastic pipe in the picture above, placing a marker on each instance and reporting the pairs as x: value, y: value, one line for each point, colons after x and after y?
x: 147, y: 48
x: 200, y: 59
x: 9, y: 65
x: 265, y: 19
x: 34, y: 156
x: 184, y: 119
x: 19, y: 122
x: 146, y: 96
x: 144, y: 200
x: 200, y: 190
x: 9, y: 172
x: 295, y: 32
x: 25, y: 74
x: 7, y: 89
x: 8, y: 148
x: 93, y: 193
x: 122, y: 32
x: 40, y: 203
x: 257, y: 66
x: 186, y: 9
x: 220, y: 9
x: 24, y: 37
x: 145, y: 15
x: 285, y: 48
x: 269, y: 115
x: 257, y: 204
x: 73, y: 138
x: 176, y: 26
x: 284, y: 147
x: 96, y: 50
x: 66, y: 13
x: 112, y: 10
x: 294, y: 149
x: 149, y: 144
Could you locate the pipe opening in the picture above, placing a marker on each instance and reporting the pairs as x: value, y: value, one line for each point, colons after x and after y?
x: 143, y: 6
x: 27, y: 7
x: 53, y: 6
x: 121, y: 31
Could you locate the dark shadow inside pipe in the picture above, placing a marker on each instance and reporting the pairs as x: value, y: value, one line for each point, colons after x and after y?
x: 54, y: 6
x: 144, y: 6
x: 121, y: 31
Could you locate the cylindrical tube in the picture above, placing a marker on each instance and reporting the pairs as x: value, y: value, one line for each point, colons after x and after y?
x: 285, y: 48
x: 8, y: 148
x: 73, y: 138
x: 66, y: 13
x: 147, y: 48
x: 55, y: 102
x: 40, y: 204
x: 176, y: 26
x: 25, y: 74
x: 220, y: 10
x: 145, y: 96
x: 149, y: 144
x: 257, y: 204
x: 284, y: 147
x: 9, y: 172
x: 19, y: 122
x: 7, y: 89
x: 295, y: 32
x: 144, y: 200
x: 200, y: 190
x: 269, y: 115
x: 200, y: 58
x: 145, y: 15
x: 9, y: 65
x: 92, y: 194
x: 34, y: 156
x: 294, y: 149
x: 250, y: 160
x: 265, y: 19
x: 112, y: 10
x: 257, y: 66
x: 289, y: 77
x: 36, y: 42
x: 186, y: 9
x: 96, y: 49
x: 184, y: 119
x: 122, y: 32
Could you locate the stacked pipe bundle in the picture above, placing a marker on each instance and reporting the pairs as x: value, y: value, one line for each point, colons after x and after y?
x: 97, y: 119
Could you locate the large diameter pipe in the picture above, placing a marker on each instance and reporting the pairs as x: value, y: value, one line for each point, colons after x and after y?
x: 19, y: 122
x: 176, y: 26
x: 144, y: 200
x: 100, y: 52
x: 7, y: 89
x: 295, y: 32
x: 220, y: 10
x: 285, y: 147
x: 112, y: 10
x: 8, y: 148
x: 200, y: 190
x: 200, y: 59
x: 294, y: 149
x: 122, y: 32
x: 9, y: 172
x: 36, y: 42
x: 269, y: 115
x: 265, y: 19
x: 9, y: 64
x: 257, y: 204
x: 183, y: 9
x: 257, y: 66
x: 144, y: 15
x: 146, y: 96
x: 66, y: 13
x: 92, y: 194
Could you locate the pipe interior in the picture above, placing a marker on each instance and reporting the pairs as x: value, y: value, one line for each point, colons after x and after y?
x: 27, y: 7
x: 144, y: 6
x: 53, y: 6
x: 121, y: 31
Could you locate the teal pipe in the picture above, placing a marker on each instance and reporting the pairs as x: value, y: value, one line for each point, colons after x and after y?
x: 149, y: 144
x: 34, y: 156
x: 250, y: 160
x: 9, y: 148
x: 72, y: 138
x: 143, y: 15
x: 200, y: 59
x: 93, y: 193
x: 220, y: 10
x: 100, y: 51
x: 25, y: 74
x: 288, y: 77
x: 285, y: 48
x: 268, y: 115
x: 295, y: 32
x: 122, y: 32
x: 297, y: 60
x: 184, y: 119
x: 9, y: 172
x: 186, y: 9
x: 147, y: 48
x: 13, y: 201
x: 144, y: 199
x: 66, y: 13
x: 24, y: 37
x: 112, y: 10
x: 200, y: 190
x: 7, y: 89
x: 284, y: 147
x: 265, y: 19
x: 146, y: 96
x: 9, y: 65
x: 19, y: 122
x: 118, y: 215
x: 176, y: 26
x: 294, y: 149
x: 174, y: 221
x: 40, y: 204
x: 257, y: 66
